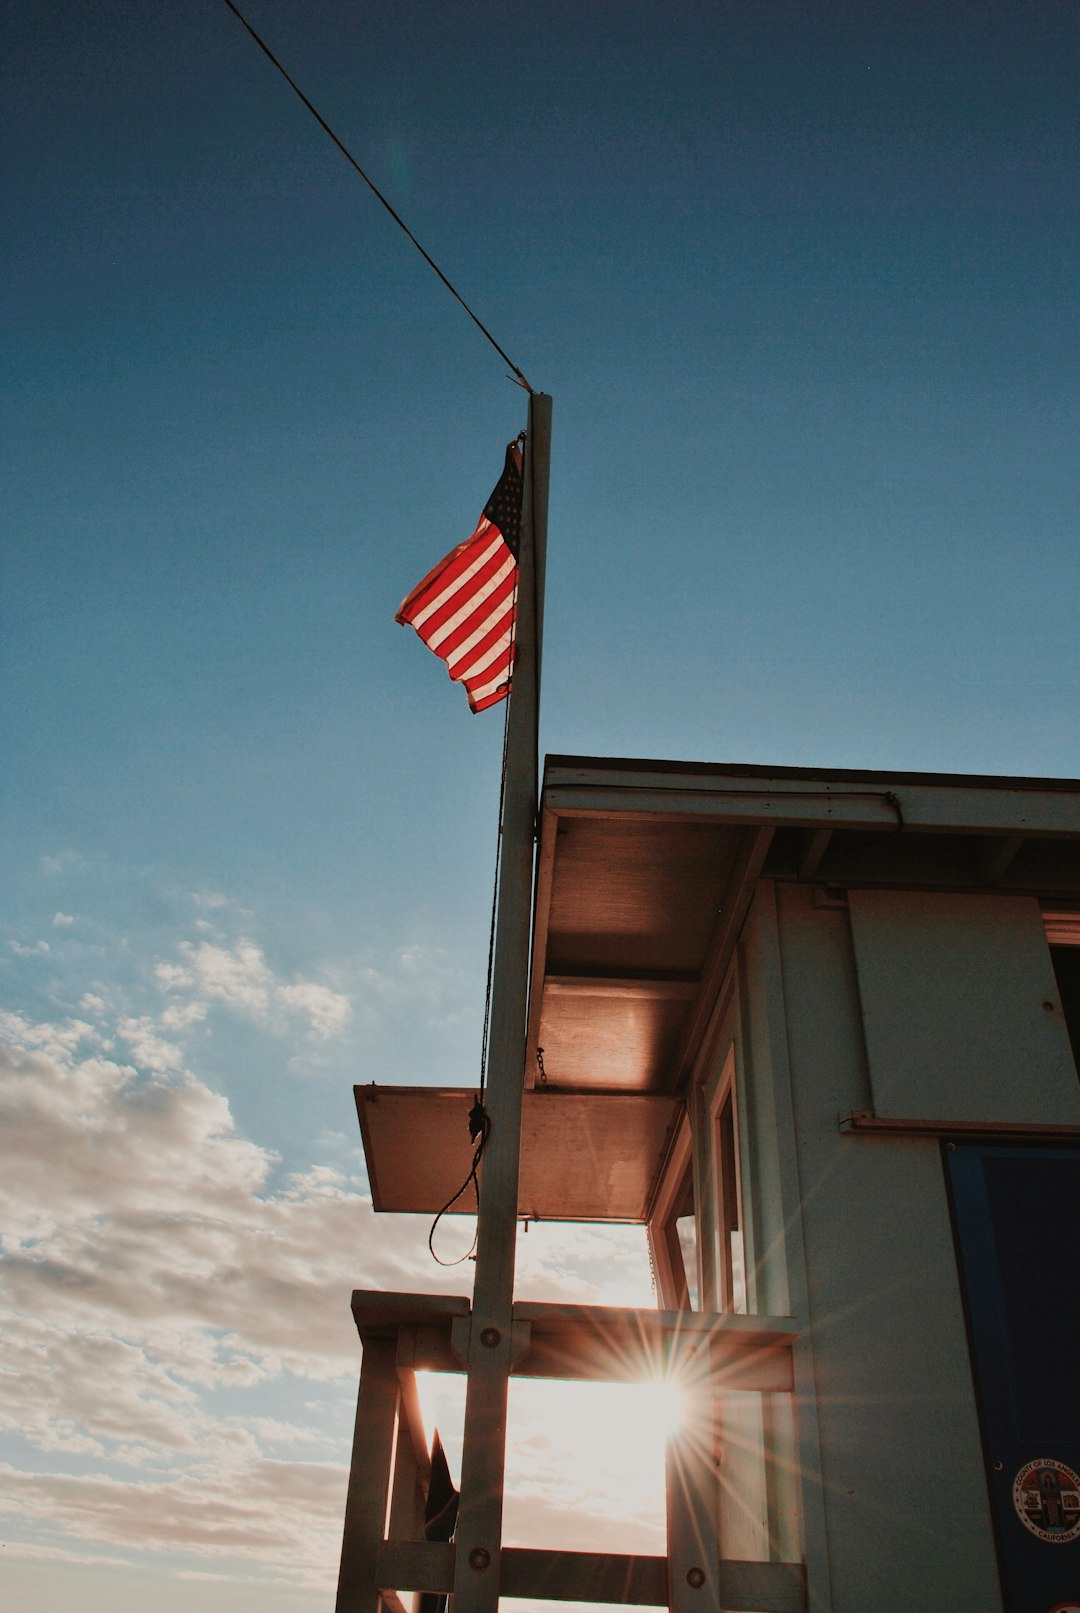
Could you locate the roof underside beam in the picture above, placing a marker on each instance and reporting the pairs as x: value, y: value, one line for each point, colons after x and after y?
x: 947, y: 808
x: 749, y: 862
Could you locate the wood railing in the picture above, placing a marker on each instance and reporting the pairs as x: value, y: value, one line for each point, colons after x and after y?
x: 384, y: 1551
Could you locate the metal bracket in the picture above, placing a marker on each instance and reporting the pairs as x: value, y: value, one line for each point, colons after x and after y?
x: 461, y: 1339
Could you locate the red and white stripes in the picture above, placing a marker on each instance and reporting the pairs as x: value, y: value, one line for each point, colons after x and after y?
x: 465, y: 610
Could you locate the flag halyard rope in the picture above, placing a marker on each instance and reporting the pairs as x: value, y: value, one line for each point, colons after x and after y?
x: 370, y: 183
x: 479, y: 1119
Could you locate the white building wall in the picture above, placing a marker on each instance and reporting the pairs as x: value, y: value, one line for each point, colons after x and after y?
x: 903, y: 1503
x: 960, y: 1009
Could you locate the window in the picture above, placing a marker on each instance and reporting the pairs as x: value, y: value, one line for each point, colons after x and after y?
x: 732, y: 1265
x: 684, y: 1222
x: 673, y: 1232
x: 696, y: 1238
x: 724, y: 1262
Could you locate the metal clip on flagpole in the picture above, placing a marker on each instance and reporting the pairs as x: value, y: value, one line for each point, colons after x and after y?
x: 491, y: 1338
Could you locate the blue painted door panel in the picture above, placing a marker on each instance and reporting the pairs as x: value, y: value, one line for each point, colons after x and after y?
x: 1016, y: 1213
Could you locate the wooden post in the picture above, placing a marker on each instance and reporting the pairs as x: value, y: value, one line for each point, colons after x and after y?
x: 407, y: 1494
x: 369, y: 1479
x: 479, y: 1529
x: 693, y: 1547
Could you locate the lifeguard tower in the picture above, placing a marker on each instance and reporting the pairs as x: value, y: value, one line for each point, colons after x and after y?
x: 817, y: 1031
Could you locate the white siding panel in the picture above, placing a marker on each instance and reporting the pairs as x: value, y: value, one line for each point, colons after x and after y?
x: 893, y: 1388
x: 961, y: 1012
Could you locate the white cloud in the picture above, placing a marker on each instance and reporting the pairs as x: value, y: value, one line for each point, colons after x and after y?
x: 150, y: 1267
x: 60, y: 1554
x: 204, y: 1576
x: 286, y: 1514
x: 178, y: 1016
x: 239, y: 977
x: 62, y: 863
x: 130, y: 1202
x: 37, y: 950
x: 149, y: 1050
x: 58, y: 1040
x: 63, y: 918
x: 328, y: 1011
x: 173, y: 977
x: 210, y: 899
x: 147, y: 1263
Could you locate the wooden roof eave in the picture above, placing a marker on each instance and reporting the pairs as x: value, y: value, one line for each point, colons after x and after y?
x: 809, y: 798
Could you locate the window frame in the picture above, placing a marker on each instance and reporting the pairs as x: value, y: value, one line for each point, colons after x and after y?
x: 724, y: 1191
x: 665, y: 1248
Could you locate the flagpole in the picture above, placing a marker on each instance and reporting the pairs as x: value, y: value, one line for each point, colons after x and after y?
x: 479, y: 1527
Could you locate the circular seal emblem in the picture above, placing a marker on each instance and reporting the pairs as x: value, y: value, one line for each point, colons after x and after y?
x: 1046, y: 1496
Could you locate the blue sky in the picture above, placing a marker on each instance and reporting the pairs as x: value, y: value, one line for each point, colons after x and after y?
x: 801, y: 281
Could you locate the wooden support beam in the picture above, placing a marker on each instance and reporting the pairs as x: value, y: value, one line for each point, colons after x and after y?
x: 738, y: 894
x: 416, y: 1565
x: 736, y: 1365
x: 692, y: 1495
x: 479, y: 1528
x: 584, y: 1576
x: 412, y: 1465
x: 576, y: 786
x: 813, y: 845
x: 428, y: 1349
x: 411, y: 1418
x: 369, y: 1479
x: 600, y: 1343
x: 379, y: 1313
x: 708, y: 1353
x: 610, y: 1344
x: 668, y: 988
x: 461, y: 1341
x: 406, y: 1495
x: 996, y: 855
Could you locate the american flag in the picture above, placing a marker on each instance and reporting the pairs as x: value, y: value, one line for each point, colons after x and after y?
x: 465, y: 609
